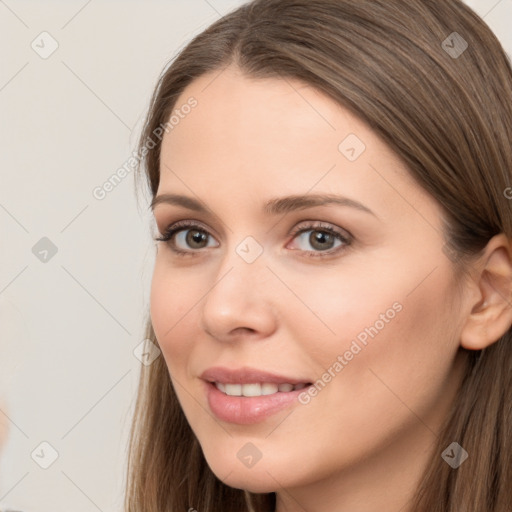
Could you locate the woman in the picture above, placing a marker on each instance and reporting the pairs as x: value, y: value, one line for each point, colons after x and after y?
x: 332, y: 289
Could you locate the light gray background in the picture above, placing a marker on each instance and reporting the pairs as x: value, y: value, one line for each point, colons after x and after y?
x: 68, y: 326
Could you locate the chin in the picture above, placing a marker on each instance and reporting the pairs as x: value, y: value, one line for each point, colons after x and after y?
x: 263, y: 477
x: 257, y: 483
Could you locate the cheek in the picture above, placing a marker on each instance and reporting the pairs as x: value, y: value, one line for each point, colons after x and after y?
x: 398, y: 343
x: 341, y: 311
x: 389, y: 319
x: 170, y: 308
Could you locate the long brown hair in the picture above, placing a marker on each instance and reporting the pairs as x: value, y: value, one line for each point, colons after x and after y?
x: 403, y: 67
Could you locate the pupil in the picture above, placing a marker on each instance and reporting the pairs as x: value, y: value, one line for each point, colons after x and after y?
x: 196, y: 237
x: 321, y: 237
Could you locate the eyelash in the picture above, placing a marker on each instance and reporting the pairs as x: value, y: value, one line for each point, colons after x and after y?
x: 169, y: 233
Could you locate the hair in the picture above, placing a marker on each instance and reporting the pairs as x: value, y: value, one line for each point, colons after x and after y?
x: 448, y: 117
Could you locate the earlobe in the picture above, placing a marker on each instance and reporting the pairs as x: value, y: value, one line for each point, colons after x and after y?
x: 491, y: 316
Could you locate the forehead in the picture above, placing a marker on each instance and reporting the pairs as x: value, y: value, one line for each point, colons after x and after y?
x: 243, y: 111
x: 254, y: 137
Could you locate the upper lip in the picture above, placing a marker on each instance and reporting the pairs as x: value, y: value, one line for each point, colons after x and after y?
x: 247, y: 375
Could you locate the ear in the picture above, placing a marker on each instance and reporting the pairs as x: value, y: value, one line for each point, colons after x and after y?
x: 491, y: 314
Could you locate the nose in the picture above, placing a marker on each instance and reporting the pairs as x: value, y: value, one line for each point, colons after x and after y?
x: 241, y: 301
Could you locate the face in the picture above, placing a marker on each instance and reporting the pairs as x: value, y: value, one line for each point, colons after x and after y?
x: 355, y: 298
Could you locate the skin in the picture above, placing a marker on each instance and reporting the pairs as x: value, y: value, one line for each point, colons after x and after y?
x: 362, y: 443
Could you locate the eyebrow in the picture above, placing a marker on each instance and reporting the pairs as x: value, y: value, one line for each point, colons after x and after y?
x: 274, y: 206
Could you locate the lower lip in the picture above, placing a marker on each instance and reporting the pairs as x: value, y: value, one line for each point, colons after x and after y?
x: 244, y: 410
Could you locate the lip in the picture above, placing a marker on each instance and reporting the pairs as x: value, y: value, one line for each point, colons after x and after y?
x: 244, y: 410
x: 247, y: 375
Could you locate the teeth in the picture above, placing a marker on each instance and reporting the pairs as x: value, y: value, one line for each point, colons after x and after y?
x: 267, y: 388
x: 233, y: 389
x: 256, y: 389
x: 251, y: 389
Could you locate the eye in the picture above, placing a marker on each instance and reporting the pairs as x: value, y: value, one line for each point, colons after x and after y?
x: 323, y: 238
x: 185, y: 236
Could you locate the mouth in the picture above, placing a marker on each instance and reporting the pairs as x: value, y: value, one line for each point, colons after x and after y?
x: 246, y: 395
x: 258, y: 388
x: 254, y: 408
